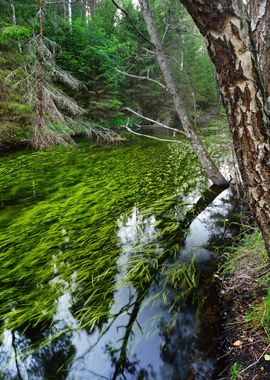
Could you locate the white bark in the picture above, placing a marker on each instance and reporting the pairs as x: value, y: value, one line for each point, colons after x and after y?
x: 69, y: 9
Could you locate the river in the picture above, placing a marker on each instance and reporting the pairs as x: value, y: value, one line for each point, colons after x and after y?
x: 106, y: 264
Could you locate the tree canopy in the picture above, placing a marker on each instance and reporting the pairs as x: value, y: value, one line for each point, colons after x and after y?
x: 94, y: 43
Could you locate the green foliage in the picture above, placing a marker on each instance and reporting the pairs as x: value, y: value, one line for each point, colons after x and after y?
x: 91, y: 49
x: 15, y: 114
x: 251, y: 245
x: 14, y: 32
x: 261, y: 314
x: 250, y: 256
x: 234, y: 373
x: 16, y: 108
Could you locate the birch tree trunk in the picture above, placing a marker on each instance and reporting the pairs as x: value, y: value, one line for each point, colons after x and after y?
x: 206, y: 162
x: 238, y: 38
x: 69, y: 12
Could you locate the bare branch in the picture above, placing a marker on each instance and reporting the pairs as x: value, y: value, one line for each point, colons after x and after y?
x: 152, y: 137
x: 154, y: 121
x: 165, y: 33
x: 60, y: 2
x: 149, y: 51
x: 143, y: 78
x: 256, y: 361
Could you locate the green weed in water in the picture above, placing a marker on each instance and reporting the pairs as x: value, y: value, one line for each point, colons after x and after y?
x: 69, y: 216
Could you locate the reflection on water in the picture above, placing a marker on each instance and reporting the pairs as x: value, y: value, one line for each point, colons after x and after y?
x: 106, y: 266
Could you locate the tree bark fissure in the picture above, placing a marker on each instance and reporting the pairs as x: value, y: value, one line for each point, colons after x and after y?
x: 207, y: 164
x: 235, y: 46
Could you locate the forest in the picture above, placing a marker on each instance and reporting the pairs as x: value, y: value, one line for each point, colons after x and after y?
x: 134, y: 189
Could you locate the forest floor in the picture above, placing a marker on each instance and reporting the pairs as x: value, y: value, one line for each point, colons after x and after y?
x: 245, y: 338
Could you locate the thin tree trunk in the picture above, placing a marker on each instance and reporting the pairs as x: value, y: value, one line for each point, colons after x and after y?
x: 65, y: 9
x: 69, y: 11
x: 40, y: 115
x: 238, y: 46
x: 207, y: 164
x: 14, y: 21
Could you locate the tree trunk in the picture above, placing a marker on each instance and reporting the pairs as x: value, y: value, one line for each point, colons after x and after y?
x: 207, y: 164
x: 14, y: 21
x: 40, y: 115
x: 238, y: 41
x: 14, y: 18
x: 69, y: 12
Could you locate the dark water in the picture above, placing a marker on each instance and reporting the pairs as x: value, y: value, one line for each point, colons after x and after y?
x: 106, y: 271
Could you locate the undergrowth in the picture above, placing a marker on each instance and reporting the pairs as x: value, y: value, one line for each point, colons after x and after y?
x: 248, y: 264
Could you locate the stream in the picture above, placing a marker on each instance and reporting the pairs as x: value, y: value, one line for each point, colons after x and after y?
x: 108, y: 257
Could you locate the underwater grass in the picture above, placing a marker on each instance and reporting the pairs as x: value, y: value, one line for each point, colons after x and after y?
x: 63, y: 235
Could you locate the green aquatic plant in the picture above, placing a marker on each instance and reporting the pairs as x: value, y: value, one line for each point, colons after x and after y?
x: 87, y: 222
x: 65, y: 223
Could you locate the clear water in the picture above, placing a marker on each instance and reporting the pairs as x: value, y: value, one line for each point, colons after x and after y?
x: 104, y: 274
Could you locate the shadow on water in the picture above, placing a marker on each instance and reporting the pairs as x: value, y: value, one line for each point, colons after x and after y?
x: 106, y: 271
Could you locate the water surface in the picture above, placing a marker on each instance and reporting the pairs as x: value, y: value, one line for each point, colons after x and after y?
x: 105, y: 272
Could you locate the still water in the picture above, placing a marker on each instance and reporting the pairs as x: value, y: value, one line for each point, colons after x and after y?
x: 106, y: 266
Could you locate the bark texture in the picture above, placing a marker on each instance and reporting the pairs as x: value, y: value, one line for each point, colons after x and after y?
x: 237, y: 37
x: 207, y: 164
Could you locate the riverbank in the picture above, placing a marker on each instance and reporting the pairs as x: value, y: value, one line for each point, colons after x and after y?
x: 245, y: 295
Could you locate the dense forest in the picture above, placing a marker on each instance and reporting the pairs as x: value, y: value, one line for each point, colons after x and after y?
x: 134, y: 190
x: 83, y: 55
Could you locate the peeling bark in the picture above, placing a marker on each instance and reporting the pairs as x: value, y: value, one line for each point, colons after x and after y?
x: 206, y: 162
x: 237, y: 38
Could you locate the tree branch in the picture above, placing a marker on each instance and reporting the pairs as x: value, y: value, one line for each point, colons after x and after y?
x: 153, y: 137
x: 256, y: 362
x: 60, y: 2
x: 165, y: 33
x: 154, y: 121
x: 131, y: 22
x: 143, y: 78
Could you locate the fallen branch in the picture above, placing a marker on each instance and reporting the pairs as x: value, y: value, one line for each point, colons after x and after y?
x: 154, y: 121
x: 256, y: 361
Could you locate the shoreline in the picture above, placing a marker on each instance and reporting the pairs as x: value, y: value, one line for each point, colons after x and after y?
x: 242, y: 288
x: 244, y: 342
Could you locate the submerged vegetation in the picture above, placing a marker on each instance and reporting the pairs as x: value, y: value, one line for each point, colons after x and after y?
x: 73, y: 234
x: 108, y: 251
x: 51, y: 209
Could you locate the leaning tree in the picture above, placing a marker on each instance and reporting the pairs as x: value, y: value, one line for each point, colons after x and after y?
x: 238, y: 37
